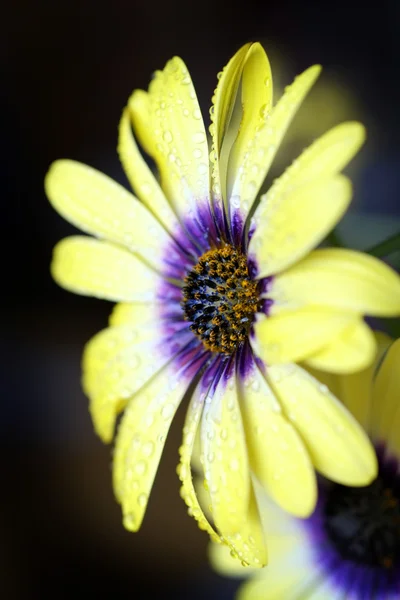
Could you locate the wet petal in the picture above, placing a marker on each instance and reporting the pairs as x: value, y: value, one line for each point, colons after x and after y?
x: 292, y: 221
x: 140, y: 176
x: 221, y: 115
x: 256, y: 103
x: 224, y: 457
x: 290, y: 574
x: 339, y: 279
x: 249, y: 545
x: 385, y: 418
x: 266, y: 129
x: 170, y: 127
x: 90, y: 267
x: 352, y: 350
x: 355, y: 389
x: 100, y: 206
x: 126, y: 313
x: 277, y: 454
x: 119, y: 361
x: 338, y: 446
x: 295, y: 336
x: 140, y: 441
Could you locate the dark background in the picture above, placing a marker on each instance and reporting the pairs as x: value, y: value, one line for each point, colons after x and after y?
x: 67, y: 70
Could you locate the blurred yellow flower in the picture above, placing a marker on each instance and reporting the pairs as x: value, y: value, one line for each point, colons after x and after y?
x: 213, y: 294
x: 350, y: 546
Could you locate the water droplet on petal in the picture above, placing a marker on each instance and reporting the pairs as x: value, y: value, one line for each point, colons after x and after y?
x: 142, y: 500
x: 167, y: 136
x: 140, y: 467
x: 167, y: 410
x: 129, y: 521
x: 234, y: 464
x: 148, y: 448
x: 199, y: 137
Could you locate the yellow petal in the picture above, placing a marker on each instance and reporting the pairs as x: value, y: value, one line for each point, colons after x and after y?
x: 291, y: 567
x: 328, y: 155
x: 117, y: 362
x: 286, y: 580
x: 338, y: 446
x: 126, y: 313
x: 352, y: 350
x: 225, y: 564
x: 247, y: 546
x: 224, y: 457
x: 100, y: 206
x: 291, y: 222
x: 140, y: 441
x: 355, y: 389
x: 256, y: 101
x: 170, y: 126
x: 277, y: 454
x: 94, y: 268
x: 221, y: 114
x: 140, y: 176
x: 339, y: 279
x: 266, y: 131
x: 385, y: 418
x: 294, y: 336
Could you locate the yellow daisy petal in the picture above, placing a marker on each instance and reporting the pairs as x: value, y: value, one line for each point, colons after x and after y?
x: 277, y: 454
x: 339, y: 279
x: 170, y: 126
x: 90, y: 267
x: 224, y: 458
x: 184, y: 471
x: 294, y: 336
x: 221, y: 114
x: 355, y: 389
x: 256, y: 103
x: 279, y: 583
x: 140, y: 441
x: 291, y: 563
x: 140, y: 176
x: 225, y: 564
x: 338, y: 446
x: 268, y: 129
x: 385, y: 418
x: 117, y: 362
x: 248, y: 545
x: 328, y: 155
x: 352, y: 350
x: 126, y: 313
x: 290, y: 222
x: 100, y: 206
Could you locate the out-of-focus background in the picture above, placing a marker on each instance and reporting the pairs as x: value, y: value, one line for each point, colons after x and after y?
x: 67, y: 70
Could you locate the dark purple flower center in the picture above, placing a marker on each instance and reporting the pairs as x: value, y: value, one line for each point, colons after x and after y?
x: 364, y: 523
x: 220, y: 299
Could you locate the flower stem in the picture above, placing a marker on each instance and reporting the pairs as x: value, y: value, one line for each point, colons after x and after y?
x: 386, y: 247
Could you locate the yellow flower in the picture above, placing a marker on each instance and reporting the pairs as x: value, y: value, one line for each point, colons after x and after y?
x: 211, y: 297
x: 350, y: 546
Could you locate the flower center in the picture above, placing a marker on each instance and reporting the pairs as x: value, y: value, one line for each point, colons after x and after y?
x: 220, y: 299
x: 364, y: 523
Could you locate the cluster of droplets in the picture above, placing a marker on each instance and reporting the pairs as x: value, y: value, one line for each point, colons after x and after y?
x: 140, y: 439
x: 243, y: 546
x: 176, y: 114
x: 220, y: 299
